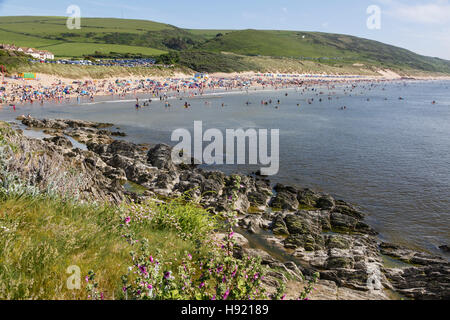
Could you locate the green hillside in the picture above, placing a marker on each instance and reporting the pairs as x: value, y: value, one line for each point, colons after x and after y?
x: 204, y: 49
x: 51, y: 33
x: 323, y: 46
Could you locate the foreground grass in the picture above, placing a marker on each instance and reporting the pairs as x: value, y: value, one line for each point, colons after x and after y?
x: 41, y: 237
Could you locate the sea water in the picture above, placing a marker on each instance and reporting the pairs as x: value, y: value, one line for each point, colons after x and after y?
x: 389, y: 156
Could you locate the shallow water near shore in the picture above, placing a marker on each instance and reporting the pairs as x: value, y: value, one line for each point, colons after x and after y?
x: 391, y: 157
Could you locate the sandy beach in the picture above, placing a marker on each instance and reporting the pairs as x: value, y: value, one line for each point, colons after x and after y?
x: 57, y: 89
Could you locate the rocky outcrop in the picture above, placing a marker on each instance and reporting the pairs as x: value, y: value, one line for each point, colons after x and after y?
x: 428, y: 277
x: 60, y: 142
x: 54, y: 165
x: 318, y: 232
x: 61, y: 124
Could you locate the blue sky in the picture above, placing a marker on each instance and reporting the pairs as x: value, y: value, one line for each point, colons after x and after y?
x: 421, y: 26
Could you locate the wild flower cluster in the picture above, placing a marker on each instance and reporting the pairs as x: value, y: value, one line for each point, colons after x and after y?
x: 92, y: 287
x: 215, y: 276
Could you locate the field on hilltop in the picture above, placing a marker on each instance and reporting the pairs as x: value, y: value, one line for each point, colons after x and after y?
x: 51, y: 33
x: 209, y: 50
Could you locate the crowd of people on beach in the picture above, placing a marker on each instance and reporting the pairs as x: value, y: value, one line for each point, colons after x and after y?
x: 14, y: 93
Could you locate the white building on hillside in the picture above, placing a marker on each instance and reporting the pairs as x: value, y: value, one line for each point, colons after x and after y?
x: 37, y: 54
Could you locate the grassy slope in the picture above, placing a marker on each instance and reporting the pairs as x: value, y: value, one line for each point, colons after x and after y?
x: 12, y: 61
x: 41, y: 237
x: 99, y: 72
x: 318, y: 45
x: 208, y: 34
x: 152, y: 38
x: 51, y: 33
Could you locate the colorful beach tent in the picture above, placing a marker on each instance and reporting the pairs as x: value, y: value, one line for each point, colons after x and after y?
x: 28, y: 76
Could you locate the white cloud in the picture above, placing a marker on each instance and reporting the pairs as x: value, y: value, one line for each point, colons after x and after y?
x: 434, y: 12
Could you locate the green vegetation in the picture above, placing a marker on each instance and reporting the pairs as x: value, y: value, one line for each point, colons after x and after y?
x: 95, y: 72
x: 215, y: 62
x: 76, y: 49
x: 51, y: 33
x: 326, y: 48
x: 151, y: 250
x: 41, y: 237
x: 208, y: 34
x: 209, y: 50
x: 12, y: 60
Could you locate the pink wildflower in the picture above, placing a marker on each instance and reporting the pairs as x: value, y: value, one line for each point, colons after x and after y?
x: 227, y: 293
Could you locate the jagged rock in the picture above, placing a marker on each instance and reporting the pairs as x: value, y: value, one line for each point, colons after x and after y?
x: 445, y: 248
x: 428, y: 279
x: 266, y: 258
x: 279, y: 227
x: 325, y: 202
x: 62, y: 124
x: 212, y: 187
x: 424, y: 283
x: 115, y: 174
x: 410, y: 256
x: 161, y: 157
x: 308, y: 197
x: 348, y: 210
x: 297, y: 224
x: 259, y: 199
x: 338, y: 242
x: 135, y: 171
x: 316, y: 259
x: 60, y: 141
x: 310, y: 242
x: 286, y: 198
x: 126, y: 149
x: 344, y: 223
x: 254, y: 224
x: 164, y: 184
x: 118, y: 134
x: 73, y: 173
x: 340, y: 262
